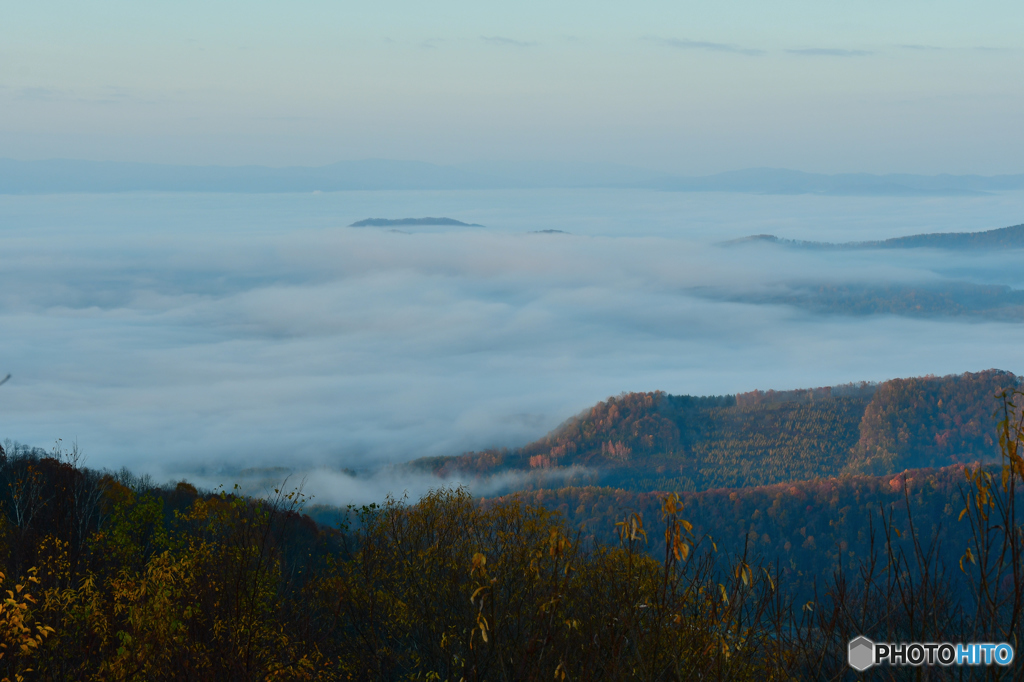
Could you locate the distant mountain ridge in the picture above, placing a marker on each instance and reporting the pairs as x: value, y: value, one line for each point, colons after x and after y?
x: 1002, y: 238
x: 70, y: 175
x: 784, y: 181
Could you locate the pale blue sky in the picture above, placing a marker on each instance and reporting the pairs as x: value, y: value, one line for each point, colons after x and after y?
x: 903, y: 86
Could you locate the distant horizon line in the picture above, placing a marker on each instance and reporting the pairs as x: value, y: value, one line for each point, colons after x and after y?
x: 59, y: 176
x: 511, y: 162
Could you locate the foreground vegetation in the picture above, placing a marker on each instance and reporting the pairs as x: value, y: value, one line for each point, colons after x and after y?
x: 112, y: 578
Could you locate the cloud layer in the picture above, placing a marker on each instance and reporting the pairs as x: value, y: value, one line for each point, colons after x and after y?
x: 687, y: 44
x: 199, y: 333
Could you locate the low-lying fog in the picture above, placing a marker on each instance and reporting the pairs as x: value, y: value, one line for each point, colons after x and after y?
x: 187, y: 334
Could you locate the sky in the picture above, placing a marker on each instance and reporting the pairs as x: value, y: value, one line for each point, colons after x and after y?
x: 685, y: 87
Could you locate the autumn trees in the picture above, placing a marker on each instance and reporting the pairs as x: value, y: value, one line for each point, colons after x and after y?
x: 657, y: 442
x: 110, y: 577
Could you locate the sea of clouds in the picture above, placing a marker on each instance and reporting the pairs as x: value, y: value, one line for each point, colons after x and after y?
x: 204, y: 334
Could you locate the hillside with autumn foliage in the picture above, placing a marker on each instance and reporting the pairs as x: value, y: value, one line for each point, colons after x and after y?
x: 659, y: 442
x: 111, y: 577
x: 807, y: 529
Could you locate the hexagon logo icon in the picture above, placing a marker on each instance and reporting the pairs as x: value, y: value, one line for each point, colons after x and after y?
x: 861, y: 653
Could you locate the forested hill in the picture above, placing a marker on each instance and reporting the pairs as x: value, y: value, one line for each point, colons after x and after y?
x: 809, y: 527
x: 1002, y: 238
x: 405, y: 222
x: 655, y: 441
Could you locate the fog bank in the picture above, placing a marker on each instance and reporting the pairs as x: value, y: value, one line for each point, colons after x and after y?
x: 183, y: 333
